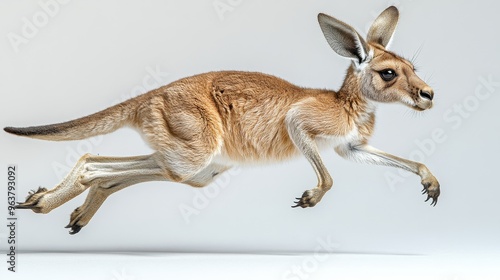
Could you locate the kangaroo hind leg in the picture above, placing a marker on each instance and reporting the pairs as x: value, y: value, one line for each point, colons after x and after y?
x: 103, y: 175
x: 97, y: 195
x: 107, y: 175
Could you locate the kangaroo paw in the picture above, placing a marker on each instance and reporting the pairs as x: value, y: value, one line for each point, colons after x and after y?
x: 431, y: 188
x: 309, y: 198
x: 74, y: 229
x: 75, y: 224
x: 32, y: 200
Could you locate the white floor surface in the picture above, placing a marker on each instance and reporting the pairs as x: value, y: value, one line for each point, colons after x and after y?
x: 138, y: 266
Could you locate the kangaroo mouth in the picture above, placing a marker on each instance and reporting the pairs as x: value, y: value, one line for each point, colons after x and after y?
x: 417, y: 108
x: 421, y: 104
x: 424, y: 105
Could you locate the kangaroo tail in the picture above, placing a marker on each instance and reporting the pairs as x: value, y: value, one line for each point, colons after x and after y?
x: 105, y: 121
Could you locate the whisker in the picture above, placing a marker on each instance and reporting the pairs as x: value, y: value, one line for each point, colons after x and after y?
x: 413, y: 113
x: 407, y: 113
x: 417, y: 53
x: 428, y: 80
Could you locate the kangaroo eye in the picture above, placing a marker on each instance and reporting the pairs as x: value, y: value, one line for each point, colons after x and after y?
x: 387, y: 74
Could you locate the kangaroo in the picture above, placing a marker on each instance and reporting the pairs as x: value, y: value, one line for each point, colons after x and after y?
x: 201, y: 126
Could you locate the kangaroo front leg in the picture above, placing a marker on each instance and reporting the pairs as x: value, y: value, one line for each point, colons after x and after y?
x: 309, y: 148
x: 367, y: 154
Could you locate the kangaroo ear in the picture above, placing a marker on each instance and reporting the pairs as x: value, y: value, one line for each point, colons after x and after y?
x: 383, y: 27
x: 343, y: 39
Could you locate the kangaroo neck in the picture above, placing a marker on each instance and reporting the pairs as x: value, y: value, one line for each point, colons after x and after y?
x: 351, y: 94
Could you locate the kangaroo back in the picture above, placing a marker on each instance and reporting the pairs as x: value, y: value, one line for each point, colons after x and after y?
x: 105, y: 121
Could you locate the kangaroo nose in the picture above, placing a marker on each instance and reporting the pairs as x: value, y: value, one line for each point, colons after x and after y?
x: 427, y: 94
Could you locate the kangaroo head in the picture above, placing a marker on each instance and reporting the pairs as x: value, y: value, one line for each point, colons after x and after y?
x: 382, y: 75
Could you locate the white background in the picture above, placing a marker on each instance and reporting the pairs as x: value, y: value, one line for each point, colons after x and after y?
x: 91, y: 54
